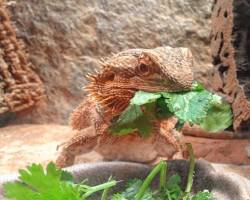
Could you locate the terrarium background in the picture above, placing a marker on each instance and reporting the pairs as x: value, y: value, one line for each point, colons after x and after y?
x: 65, y: 40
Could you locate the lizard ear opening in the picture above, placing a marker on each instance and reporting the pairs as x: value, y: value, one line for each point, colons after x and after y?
x: 110, y: 76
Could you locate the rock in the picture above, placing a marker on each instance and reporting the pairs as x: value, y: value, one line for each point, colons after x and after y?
x: 26, y: 144
x: 230, y: 151
x: 65, y: 40
x: 247, y: 149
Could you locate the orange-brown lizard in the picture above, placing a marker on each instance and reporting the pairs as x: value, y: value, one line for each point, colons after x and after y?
x: 110, y: 91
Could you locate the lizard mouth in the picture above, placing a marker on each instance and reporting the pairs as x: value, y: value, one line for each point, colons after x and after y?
x: 157, y: 85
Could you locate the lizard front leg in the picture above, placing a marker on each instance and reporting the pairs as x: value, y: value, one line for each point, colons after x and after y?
x: 83, y: 141
x: 168, y: 140
x: 88, y: 124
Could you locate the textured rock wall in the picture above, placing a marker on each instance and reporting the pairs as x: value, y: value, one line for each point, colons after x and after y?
x: 66, y: 38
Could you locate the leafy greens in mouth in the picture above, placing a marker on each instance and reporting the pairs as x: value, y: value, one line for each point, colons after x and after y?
x: 197, y: 106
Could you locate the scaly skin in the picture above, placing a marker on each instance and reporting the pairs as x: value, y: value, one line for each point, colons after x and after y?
x: 110, y: 90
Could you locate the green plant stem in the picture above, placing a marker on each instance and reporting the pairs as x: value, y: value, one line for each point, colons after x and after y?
x: 105, y: 194
x: 191, y: 168
x: 148, y: 180
x: 98, y: 188
x: 105, y: 191
x: 163, y: 176
x: 168, y: 194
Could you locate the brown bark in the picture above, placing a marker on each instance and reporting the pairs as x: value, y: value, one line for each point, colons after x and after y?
x: 20, y: 87
x: 230, y: 45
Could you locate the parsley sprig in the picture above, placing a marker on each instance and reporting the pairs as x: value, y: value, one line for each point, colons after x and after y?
x: 35, y: 183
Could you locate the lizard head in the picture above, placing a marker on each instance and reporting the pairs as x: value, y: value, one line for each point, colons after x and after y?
x: 150, y: 70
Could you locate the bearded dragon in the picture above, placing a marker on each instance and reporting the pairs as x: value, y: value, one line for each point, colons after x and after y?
x: 110, y: 90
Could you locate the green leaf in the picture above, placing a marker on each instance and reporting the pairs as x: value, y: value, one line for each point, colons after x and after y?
x: 37, y: 184
x: 118, y: 196
x: 196, y: 86
x: 162, y: 110
x: 132, y: 188
x: 219, y: 116
x: 189, y: 106
x: 200, y: 107
x: 142, y: 98
x: 197, y: 106
x: 131, y: 113
x: 125, y: 124
x: 173, y: 181
x: 19, y: 191
x: 66, y: 176
x: 205, y: 195
x: 173, y: 189
x: 138, y: 116
x: 179, y: 125
x: 133, y: 119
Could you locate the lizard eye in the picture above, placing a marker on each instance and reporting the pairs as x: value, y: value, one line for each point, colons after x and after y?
x: 143, y: 69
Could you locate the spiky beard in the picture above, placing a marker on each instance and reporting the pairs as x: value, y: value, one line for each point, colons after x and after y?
x: 112, y: 100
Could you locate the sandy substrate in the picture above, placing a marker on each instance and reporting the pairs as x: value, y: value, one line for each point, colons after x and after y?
x: 21, y: 145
